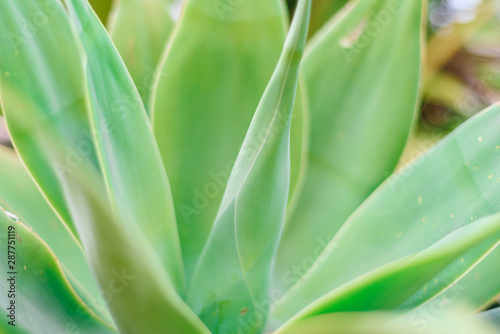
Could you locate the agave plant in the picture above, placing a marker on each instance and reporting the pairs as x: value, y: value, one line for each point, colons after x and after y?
x: 280, y: 212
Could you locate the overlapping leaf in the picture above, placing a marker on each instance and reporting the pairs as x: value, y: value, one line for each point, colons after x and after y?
x: 213, y: 75
x: 448, y: 188
x: 140, y: 31
x: 41, y: 73
x: 19, y: 190
x: 388, y: 287
x: 116, y: 246
x: 384, y: 323
x: 44, y: 300
x: 460, y: 283
x: 138, y: 291
x: 134, y: 174
x: 242, y: 245
x: 362, y: 74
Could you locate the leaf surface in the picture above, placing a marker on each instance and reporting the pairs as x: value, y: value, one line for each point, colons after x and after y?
x: 384, y: 323
x: 43, y: 298
x: 243, y: 242
x: 136, y: 287
x: 361, y: 73
x: 140, y: 31
x: 18, y: 189
x: 213, y: 74
x: 389, y: 286
x: 41, y: 73
x: 131, y: 163
x: 449, y: 187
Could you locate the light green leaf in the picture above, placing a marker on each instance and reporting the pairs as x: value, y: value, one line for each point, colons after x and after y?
x: 362, y: 74
x: 19, y: 190
x: 140, y: 31
x: 133, y: 170
x: 138, y: 291
x: 213, y: 75
x: 454, y: 184
x: 384, y: 323
x: 44, y: 300
x: 41, y: 73
x: 389, y: 286
x: 473, y: 286
x: 243, y: 242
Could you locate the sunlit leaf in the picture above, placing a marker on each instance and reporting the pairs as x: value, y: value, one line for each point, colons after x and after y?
x: 459, y: 283
x: 18, y: 189
x: 245, y: 235
x: 140, y: 31
x: 362, y: 75
x: 389, y: 286
x: 214, y: 73
x: 41, y: 73
x: 453, y: 185
x: 137, y: 289
x: 134, y: 174
x: 384, y: 323
x: 44, y: 301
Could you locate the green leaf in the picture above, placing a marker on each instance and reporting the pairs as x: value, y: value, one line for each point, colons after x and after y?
x: 140, y: 31
x: 136, y: 287
x: 389, y: 286
x: 41, y: 73
x: 362, y: 74
x: 18, y: 189
x: 243, y: 242
x: 463, y: 283
x: 44, y: 300
x: 449, y: 187
x: 384, y: 323
x: 133, y: 170
x: 213, y: 75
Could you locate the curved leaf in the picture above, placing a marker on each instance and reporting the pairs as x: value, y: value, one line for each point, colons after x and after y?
x: 140, y: 31
x: 389, y: 286
x: 384, y: 323
x: 362, y: 74
x: 137, y: 289
x: 465, y: 285
x: 44, y: 300
x: 42, y: 74
x: 19, y: 190
x: 134, y: 174
x: 212, y: 77
x: 242, y: 245
x: 451, y: 186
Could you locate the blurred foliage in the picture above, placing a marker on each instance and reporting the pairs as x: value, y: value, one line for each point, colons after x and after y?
x: 462, y: 72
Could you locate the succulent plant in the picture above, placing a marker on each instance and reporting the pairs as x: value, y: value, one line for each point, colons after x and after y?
x: 221, y: 173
